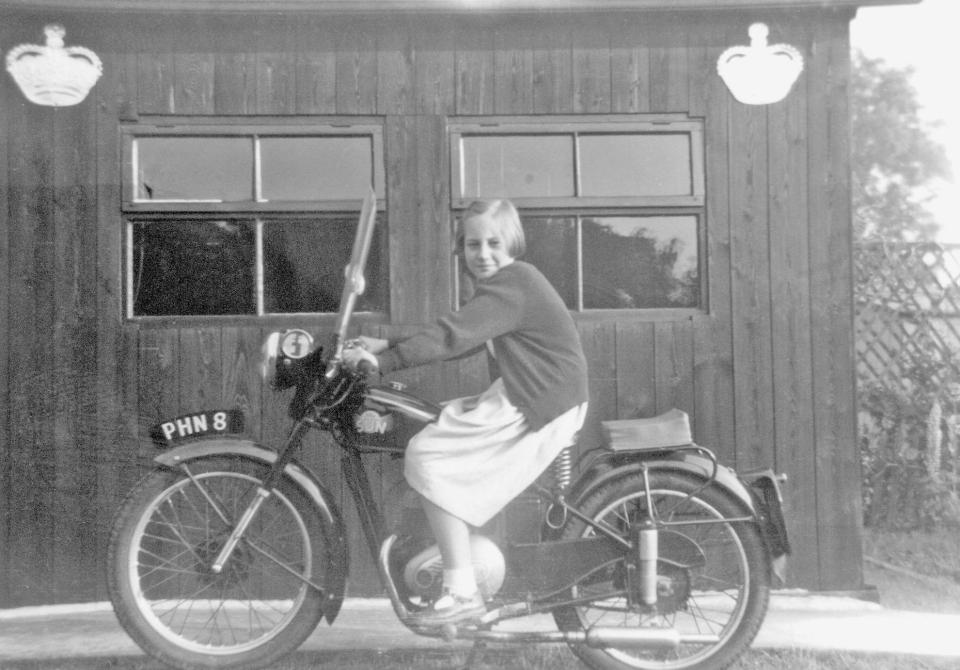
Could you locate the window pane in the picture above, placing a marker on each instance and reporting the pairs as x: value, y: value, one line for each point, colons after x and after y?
x: 193, y: 267
x: 316, y: 168
x: 552, y: 247
x: 516, y: 166
x: 194, y: 168
x: 635, y: 262
x: 635, y: 164
x: 304, y: 261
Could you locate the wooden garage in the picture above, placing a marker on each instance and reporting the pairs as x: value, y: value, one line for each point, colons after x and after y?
x: 204, y: 193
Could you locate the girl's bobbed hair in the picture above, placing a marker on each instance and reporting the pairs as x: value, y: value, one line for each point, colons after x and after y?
x: 505, y: 215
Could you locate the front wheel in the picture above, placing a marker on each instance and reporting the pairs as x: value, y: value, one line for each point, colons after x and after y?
x: 259, y: 607
x: 716, y: 603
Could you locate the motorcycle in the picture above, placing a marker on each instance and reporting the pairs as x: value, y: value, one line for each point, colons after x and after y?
x: 228, y: 553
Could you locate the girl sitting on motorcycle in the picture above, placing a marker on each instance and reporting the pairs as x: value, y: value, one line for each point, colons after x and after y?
x: 484, y: 450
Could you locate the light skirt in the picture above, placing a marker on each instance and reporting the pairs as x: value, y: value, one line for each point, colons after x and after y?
x: 481, y: 453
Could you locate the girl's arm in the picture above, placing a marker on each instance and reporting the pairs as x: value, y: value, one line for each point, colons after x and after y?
x: 494, y: 310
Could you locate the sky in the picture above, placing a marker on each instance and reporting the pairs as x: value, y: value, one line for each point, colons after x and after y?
x: 920, y: 36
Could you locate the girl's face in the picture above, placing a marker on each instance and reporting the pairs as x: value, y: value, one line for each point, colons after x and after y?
x: 484, y: 249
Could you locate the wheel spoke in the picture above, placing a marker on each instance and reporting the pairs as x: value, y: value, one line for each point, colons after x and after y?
x: 256, y: 595
x: 710, y: 599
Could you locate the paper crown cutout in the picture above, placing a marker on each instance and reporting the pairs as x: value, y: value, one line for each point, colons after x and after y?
x: 760, y: 74
x: 52, y: 74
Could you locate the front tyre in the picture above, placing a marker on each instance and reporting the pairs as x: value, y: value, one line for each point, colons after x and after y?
x: 718, y: 604
x: 259, y: 607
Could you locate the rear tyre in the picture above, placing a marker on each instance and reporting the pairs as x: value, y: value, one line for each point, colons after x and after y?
x: 722, y: 602
x: 258, y: 608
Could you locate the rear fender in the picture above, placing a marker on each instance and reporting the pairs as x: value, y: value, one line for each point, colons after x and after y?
x: 336, y: 577
x: 765, y: 487
x: 612, y: 466
x: 758, y: 492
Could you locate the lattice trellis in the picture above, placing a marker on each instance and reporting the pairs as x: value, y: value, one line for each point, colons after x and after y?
x: 908, y: 315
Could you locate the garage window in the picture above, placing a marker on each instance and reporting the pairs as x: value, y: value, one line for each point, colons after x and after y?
x: 613, y: 209
x: 228, y: 219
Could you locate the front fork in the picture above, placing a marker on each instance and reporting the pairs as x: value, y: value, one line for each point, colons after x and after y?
x: 357, y: 480
x: 263, y: 492
x: 238, y: 530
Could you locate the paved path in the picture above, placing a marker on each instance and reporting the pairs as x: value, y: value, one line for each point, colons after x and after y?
x: 795, y: 620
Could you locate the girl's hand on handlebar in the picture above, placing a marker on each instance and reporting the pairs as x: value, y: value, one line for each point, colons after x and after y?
x: 360, y: 360
x: 372, y: 344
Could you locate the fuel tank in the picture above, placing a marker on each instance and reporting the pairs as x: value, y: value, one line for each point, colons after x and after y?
x: 393, y: 398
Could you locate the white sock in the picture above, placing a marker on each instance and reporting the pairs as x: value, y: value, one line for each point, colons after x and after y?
x: 460, y: 581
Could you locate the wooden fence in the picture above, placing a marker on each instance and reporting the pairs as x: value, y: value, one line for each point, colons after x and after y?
x: 908, y: 315
x: 908, y: 368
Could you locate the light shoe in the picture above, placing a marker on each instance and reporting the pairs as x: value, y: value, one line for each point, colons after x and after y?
x: 451, y: 608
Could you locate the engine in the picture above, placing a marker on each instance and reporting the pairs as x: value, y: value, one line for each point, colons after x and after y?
x: 423, y: 573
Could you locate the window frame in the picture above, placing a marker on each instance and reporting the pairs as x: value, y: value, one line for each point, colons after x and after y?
x: 257, y: 211
x: 580, y: 207
x: 574, y: 125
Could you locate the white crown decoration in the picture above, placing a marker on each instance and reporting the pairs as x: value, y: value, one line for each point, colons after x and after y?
x: 760, y: 74
x: 54, y: 75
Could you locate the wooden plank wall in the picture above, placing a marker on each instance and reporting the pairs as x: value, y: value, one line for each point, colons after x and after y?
x: 766, y: 373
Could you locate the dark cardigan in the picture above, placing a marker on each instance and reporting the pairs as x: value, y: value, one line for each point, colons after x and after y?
x: 534, y: 338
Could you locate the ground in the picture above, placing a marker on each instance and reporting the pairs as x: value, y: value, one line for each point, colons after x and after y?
x: 915, y: 570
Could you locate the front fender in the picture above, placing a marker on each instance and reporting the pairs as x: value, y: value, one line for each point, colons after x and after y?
x: 336, y: 576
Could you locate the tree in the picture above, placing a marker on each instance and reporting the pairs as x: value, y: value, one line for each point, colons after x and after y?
x: 894, y: 158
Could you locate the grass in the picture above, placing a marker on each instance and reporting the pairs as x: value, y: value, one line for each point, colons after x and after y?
x: 922, y: 573
x: 511, y: 658
x: 933, y: 558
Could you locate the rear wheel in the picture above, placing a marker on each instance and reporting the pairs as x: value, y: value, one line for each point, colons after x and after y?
x: 257, y: 608
x: 715, y: 603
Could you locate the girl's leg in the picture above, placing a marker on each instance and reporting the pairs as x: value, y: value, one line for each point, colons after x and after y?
x: 453, y: 538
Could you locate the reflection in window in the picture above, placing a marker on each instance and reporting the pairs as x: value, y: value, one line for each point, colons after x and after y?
x: 624, y: 262
x: 634, y: 262
x: 517, y: 166
x: 195, y: 168
x: 193, y: 267
x: 303, y: 265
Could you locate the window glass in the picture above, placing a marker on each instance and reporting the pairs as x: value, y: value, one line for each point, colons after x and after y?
x: 304, y: 260
x: 193, y: 267
x: 552, y: 247
x: 635, y: 164
x: 517, y: 166
x: 194, y: 168
x: 316, y: 168
x: 641, y: 261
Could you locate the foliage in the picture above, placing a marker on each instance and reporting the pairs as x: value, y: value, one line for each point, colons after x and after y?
x: 909, y: 450
x: 907, y: 425
x: 894, y: 157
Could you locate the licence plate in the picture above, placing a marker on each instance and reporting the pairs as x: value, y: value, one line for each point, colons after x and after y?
x: 197, y: 424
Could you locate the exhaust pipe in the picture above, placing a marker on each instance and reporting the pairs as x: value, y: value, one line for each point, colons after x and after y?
x: 638, y: 638
x: 383, y: 564
x: 598, y: 637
